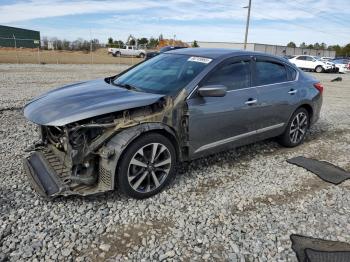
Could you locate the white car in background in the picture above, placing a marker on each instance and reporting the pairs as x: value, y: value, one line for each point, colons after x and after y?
x: 326, y: 58
x: 342, y: 64
x: 127, y: 50
x: 313, y: 63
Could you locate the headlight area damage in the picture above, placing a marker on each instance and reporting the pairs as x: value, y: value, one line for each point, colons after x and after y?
x: 80, y: 158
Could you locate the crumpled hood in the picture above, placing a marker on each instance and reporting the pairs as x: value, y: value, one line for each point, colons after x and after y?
x: 83, y: 100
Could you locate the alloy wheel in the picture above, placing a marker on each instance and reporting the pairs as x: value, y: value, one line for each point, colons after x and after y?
x: 149, y: 167
x: 298, y: 128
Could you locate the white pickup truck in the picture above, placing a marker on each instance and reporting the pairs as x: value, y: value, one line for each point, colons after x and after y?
x: 127, y: 50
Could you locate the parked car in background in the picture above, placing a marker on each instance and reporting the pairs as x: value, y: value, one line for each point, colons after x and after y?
x: 288, y: 56
x: 127, y: 50
x: 162, y: 50
x: 129, y: 131
x: 342, y: 64
x: 313, y: 63
x: 326, y: 58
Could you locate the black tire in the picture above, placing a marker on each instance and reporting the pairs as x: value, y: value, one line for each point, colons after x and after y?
x: 126, y: 168
x: 319, y: 69
x: 142, y: 55
x: 287, y: 138
x: 116, y: 54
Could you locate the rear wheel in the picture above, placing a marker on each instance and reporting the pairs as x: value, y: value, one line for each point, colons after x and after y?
x: 319, y: 69
x: 296, y: 129
x: 142, y: 55
x: 147, y: 166
x: 116, y: 54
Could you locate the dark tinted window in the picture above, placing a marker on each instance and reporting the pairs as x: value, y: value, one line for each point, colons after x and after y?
x: 270, y: 73
x: 292, y: 73
x: 234, y: 75
x: 309, y: 58
x: 301, y: 57
x: 340, y: 61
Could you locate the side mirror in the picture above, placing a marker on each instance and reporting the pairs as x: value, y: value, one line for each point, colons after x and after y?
x: 212, y: 91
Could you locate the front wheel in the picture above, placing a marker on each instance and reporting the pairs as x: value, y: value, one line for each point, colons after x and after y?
x: 147, y: 166
x: 296, y: 129
x: 319, y: 69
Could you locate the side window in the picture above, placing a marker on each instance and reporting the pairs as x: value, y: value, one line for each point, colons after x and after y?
x: 270, y: 73
x: 292, y: 73
x: 309, y: 58
x: 234, y: 75
x: 301, y: 58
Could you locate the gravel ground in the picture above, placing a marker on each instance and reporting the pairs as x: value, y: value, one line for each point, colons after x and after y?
x: 240, y: 205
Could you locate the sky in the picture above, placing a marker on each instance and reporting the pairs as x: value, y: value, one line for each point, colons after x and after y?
x: 272, y: 21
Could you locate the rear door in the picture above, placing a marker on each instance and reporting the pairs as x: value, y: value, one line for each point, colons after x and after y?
x: 277, y: 92
x: 215, y: 122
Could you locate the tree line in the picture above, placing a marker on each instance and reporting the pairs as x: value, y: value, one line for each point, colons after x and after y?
x: 85, y: 45
x: 76, y: 45
x: 143, y: 41
x: 340, y: 50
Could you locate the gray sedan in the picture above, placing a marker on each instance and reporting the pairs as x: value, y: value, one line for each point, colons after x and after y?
x: 128, y: 131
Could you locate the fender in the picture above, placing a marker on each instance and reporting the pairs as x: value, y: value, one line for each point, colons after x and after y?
x: 113, y: 150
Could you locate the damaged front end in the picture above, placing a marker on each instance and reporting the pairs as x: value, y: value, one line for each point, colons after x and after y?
x: 78, y: 158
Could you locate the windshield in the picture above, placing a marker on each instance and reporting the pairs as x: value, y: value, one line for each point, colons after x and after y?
x: 163, y: 74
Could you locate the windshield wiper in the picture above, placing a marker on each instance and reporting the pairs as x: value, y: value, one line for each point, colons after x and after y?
x: 128, y: 86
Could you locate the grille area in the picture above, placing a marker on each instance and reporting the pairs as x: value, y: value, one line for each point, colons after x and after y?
x: 61, y: 170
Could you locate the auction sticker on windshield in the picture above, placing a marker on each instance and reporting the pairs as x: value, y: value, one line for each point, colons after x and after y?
x: 203, y: 60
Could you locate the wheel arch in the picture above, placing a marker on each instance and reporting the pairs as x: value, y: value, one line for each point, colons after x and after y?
x: 118, y: 143
x: 309, y: 109
x: 319, y: 66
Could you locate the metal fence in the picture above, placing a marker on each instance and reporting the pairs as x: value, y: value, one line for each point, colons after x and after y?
x: 99, y: 55
x: 93, y: 54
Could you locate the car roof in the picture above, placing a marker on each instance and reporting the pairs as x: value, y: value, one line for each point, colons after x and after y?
x: 212, y: 52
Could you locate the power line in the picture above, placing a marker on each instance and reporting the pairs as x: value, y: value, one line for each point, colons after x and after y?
x: 300, y: 25
x: 329, y: 17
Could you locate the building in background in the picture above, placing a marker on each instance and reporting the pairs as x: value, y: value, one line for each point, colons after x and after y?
x: 270, y: 49
x: 19, y: 37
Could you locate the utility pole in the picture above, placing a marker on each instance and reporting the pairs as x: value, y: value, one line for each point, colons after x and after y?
x: 247, y: 25
x: 14, y: 38
x: 91, y: 55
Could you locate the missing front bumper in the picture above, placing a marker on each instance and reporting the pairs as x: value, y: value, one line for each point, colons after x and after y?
x: 42, y: 177
x: 51, y: 178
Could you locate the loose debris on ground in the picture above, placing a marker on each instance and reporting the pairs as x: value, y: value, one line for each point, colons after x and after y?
x: 240, y: 205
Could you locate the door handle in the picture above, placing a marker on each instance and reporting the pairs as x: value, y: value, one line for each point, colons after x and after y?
x: 251, y: 101
x: 292, y: 91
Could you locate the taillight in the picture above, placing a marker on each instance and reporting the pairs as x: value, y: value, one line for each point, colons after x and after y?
x: 319, y: 87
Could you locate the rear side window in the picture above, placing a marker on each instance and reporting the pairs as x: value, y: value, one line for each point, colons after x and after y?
x: 292, y: 73
x: 233, y: 75
x: 270, y: 73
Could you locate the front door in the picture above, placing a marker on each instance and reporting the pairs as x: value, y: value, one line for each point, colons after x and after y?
x: 221, y: 121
